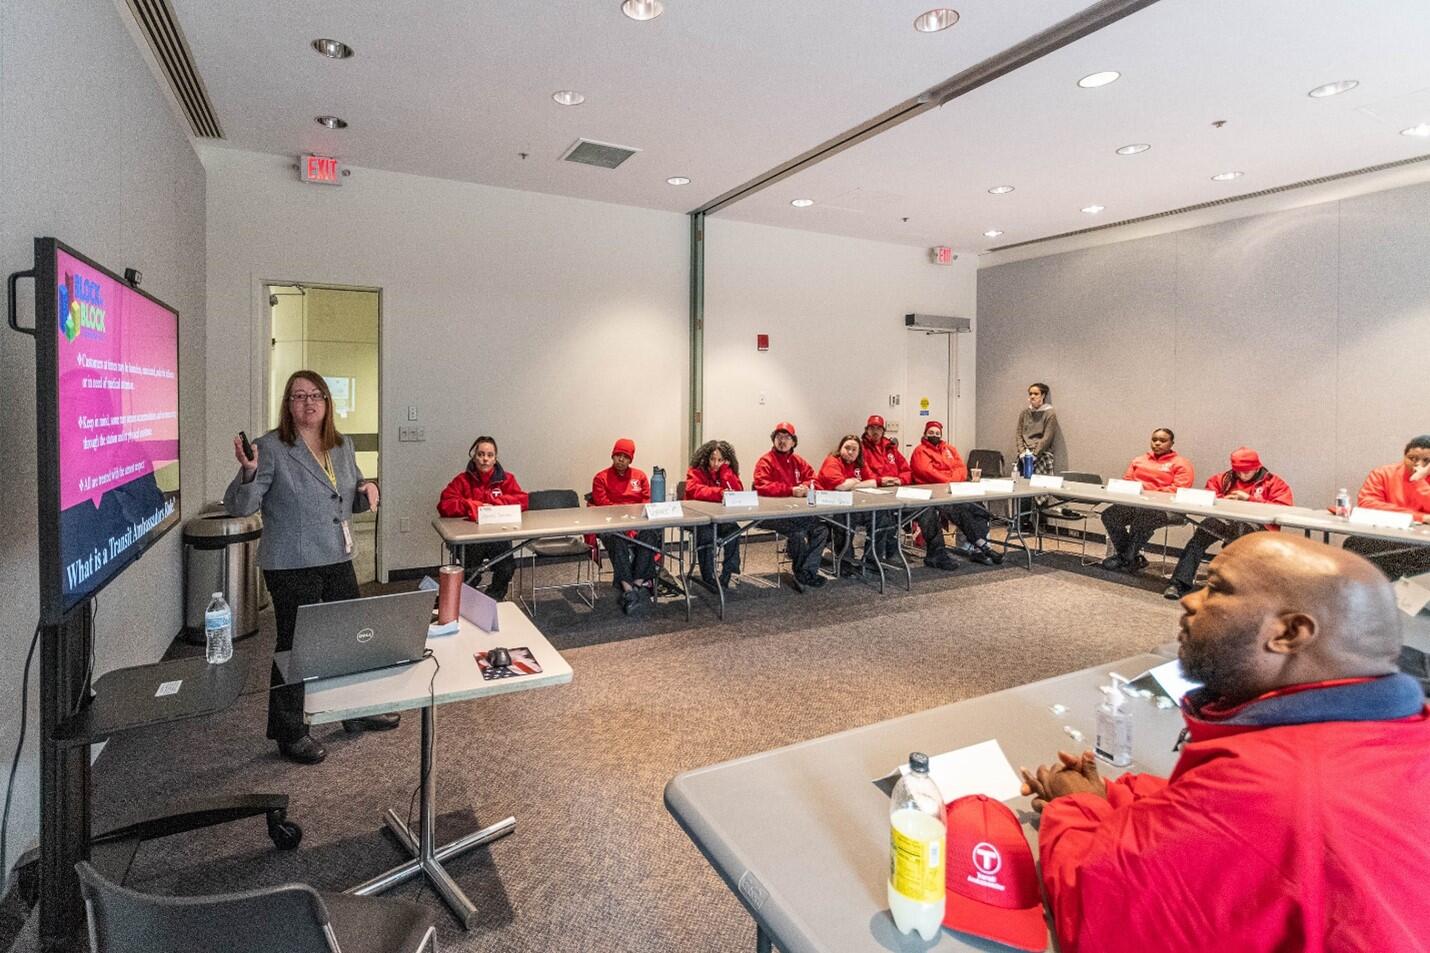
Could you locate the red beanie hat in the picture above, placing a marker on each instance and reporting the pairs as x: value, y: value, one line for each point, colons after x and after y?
x: 1245, y: 458
x: 626, y: 446
x: 932, y: 423
x: 874, y: 421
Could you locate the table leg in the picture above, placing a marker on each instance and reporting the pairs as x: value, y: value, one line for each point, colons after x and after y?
x: 427, y: 856
x: 762, y: 940
x: 873, y: 541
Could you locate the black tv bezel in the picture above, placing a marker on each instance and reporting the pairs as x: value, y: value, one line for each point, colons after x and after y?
x: 53, y: 609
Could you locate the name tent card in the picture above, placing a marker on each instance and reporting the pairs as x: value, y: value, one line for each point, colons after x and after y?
x: 1045, y: 481
x: 1385, y: 519
x: 992, y: 484
x: 661, y: 511
x: 1194, y: 497
x: 741, y: 498
x: 1125, y: 487
x: 914, y: 493
x: 508, y: 515
x: 833, y: 497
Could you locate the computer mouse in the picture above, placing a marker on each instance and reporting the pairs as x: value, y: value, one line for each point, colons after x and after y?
x: 498, y: 657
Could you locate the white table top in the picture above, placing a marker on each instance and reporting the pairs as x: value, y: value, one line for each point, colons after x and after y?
x: 570, y: 521
x: 413, y: 686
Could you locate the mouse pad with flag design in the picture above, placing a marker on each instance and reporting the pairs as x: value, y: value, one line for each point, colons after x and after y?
x: 522, y: 663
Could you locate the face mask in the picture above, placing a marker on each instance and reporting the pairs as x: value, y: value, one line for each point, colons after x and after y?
x: 934, y: 440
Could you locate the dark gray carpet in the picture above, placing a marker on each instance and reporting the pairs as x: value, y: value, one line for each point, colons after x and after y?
x: 597, y: 864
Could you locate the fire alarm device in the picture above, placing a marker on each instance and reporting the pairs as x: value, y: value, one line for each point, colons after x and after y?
x: 320, y: 170
x: 762, y: 342
x: 942, y: 255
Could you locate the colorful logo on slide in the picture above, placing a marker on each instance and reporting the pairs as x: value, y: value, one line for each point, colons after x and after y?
x: 81, y: 308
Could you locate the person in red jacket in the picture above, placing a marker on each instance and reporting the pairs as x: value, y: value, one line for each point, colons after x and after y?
x: 843, y: 469
x: 937, y: 462
x: 484, y: 483
x: 1246, y: 480
x: 1405, y: 487
x: 886, y: 464
x: 1160, y: 470
x: 713, y: 470
x: 632, y: 564
x: 1295, y: 817
x: 782, y: 472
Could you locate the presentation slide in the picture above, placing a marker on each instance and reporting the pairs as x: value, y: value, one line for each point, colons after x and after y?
x: 117, y: 362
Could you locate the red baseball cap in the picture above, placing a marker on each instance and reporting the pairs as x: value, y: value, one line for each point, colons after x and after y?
x: 1245, y: 458
x: 990, y: 879
x: 787, y: 427
x: 625, y: 445
x: 932, y: 424
x: 874, y: 421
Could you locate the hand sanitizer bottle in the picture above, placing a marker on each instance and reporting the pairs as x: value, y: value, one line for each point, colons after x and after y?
x: 1114, y: 725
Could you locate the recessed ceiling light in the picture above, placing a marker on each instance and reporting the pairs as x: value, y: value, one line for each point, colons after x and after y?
x: 802, y: 203
x: 1422, y: 130
x: 1000, y: 190
x: 1099, y: 79
x: 1133, y: 149
x: 935, y: 20
x: 568, y: 97
x: 992, y: 233
x: 677, y: 180
x: 642, y: 9
x: 333, y: 49
x: 332, y: 122
x: 1092, y: 209
x: 1334, y: 89
x: 1227, y: 176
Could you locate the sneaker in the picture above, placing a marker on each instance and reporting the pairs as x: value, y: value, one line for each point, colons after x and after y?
x: 385, y: 722
x: 797, y: 582
x: 1139, y: 564
x: 942, y: 561
x: 304, y: 750
x: 725, y: 579
x: 1114, y: 563
x: 630, y: 600
x: 981, y: 556
x: 815, y: 581
x: 1175, y: 591
x: 991, y: 553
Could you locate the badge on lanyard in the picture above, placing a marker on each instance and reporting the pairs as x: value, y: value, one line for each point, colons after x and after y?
x: 347, y: 537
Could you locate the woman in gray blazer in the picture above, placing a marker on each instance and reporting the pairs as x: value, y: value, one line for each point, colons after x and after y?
x: 305, y: 479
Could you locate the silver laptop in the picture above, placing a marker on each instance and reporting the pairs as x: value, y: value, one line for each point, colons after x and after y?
x: 359, y: 635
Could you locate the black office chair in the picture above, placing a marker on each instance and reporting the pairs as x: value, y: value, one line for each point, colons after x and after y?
x: 1084, y: 511
x: 293, y: 918
x: 557, y: 550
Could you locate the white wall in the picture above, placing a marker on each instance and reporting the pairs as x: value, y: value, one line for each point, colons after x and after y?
x: 1302, y: 333
x: 90, y: 153
x: 834, y: 309
x: 556, y: 325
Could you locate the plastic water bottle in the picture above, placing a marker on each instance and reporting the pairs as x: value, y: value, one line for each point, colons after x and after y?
x: 916, y: 851
x: 657, y: 485
x: 218, y: 631
x: 1343, y: 502
x: 1114, y: 726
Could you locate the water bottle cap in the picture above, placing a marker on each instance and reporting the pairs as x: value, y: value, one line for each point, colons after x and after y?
x: 217, y: 595
x: 919, y: 762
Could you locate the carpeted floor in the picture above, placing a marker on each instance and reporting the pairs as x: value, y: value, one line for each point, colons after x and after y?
x: 596, y: 863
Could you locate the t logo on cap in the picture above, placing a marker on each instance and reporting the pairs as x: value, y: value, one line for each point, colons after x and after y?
x: 987, y: 859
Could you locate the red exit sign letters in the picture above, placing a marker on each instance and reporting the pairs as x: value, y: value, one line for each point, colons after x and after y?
x: 322, y: 170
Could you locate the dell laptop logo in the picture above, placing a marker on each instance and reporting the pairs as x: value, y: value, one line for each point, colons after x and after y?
x: 364, y: 635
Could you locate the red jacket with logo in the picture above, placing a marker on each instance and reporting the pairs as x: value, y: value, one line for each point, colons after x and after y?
x: 1284, y: 837
x: 883, y: 459
x: 1389, y: 488
x: 608, y: 489
x: 470, y: 489
x: 701, y: 484
x: 776, y: 474
x: 1269, y: 489
x: 835, y: 471
x: 1161, y: 474
x: 937, y: 464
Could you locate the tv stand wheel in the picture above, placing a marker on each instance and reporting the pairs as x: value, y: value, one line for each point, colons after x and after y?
x: 285, y: 834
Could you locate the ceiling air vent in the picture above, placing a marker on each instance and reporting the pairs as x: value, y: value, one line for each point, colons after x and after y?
x: 602, y: 154
x: 171, y: 52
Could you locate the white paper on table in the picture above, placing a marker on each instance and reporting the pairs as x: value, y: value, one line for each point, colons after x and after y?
x: 968, y: 489
x: 1385, y: 519
x: 914, y: 493
x: 1126, y: 487
x: 741, y: 498
x: 834, y: 497
x: 990, y: 485
x: 879, y: 490
x: 1172, y: 680
x: 980, y: 768
x: 1411, y: 597
x: 479, y: 609
x: 1187, y: 495
x: 665, y: 510
x: 508, y: 515
x: 1045, y: 481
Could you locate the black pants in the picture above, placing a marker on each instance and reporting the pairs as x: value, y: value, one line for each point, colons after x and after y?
x: 1208, y: 534
x: 880, y: 542
x: 1130, y: 527
x: 291, y: 588
x: 1392, y: 558
x: 477, y: 553
x: 806, y: 536
x: 705, y: 550
x: 971, y: 519
x: 631, y: 563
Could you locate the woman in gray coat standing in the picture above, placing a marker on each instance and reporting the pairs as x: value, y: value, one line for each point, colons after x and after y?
x: 305, y: 479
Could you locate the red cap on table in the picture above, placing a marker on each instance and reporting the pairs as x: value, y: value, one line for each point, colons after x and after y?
x: 991, y: 881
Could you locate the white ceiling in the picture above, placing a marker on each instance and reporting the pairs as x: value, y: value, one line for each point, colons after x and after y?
x: 724, y: 91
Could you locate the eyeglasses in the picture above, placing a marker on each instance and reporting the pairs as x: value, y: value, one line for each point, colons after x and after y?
x: 312, y: 398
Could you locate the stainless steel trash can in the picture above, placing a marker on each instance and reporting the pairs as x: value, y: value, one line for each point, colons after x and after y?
x: 221, y: 555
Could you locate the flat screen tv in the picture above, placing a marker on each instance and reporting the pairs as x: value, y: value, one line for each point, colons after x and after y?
x: 107, y: 408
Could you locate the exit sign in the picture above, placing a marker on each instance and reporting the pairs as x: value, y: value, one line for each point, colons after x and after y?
x: 942, y: 255
x: 324, y: 170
